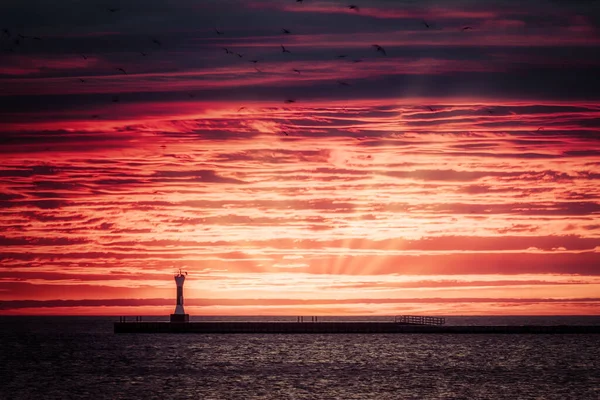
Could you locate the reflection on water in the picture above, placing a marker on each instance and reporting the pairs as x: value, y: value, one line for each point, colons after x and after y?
x: 75, y: 358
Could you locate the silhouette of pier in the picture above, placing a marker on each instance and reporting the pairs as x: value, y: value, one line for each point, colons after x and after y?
x: 400, y: 324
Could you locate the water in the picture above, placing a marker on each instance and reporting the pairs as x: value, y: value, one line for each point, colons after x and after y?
x: 80, y: 358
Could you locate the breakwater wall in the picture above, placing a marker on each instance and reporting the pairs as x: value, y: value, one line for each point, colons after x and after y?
x: 340, y: 328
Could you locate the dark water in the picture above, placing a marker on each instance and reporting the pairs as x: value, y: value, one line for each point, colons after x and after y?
x: 80, y: 358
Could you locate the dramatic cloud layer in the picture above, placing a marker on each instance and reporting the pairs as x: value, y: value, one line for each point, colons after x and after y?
x: 291, y: 165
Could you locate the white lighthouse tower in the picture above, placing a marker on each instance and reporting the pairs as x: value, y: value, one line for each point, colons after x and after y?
x: 179, y: 315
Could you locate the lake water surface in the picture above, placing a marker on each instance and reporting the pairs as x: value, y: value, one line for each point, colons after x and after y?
x: 81, y: 358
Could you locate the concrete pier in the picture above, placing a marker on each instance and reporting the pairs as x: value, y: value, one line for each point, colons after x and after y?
x: 340, y: 328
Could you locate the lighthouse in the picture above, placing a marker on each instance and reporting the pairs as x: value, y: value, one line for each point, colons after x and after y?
x: 179, y: 315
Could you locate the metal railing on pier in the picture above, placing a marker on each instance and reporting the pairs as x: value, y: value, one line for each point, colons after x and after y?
x: 419, y: 320
x: 126, y: 319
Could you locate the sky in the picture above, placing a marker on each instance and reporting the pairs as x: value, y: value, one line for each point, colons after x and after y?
x: 300, y: 158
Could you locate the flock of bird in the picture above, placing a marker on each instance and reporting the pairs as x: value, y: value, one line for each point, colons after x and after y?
x: 17, y: 40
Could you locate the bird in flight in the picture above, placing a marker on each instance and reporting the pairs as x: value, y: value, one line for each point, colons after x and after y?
x: 289, y: 101
x: 296, y: 70
x: 541, y: 128
x: 285, y: 31
x: 284, y: 50
x: 191, y: 95
x: 353, y: 7
x: 298, y: 1
x: 115, y: 99
x: 122, y: 70
x: 357, y: 60
x: 241, y: 108
x: 156, y: 41
x: 254, y: 61
x: 466, y: 28
x: 342, y: 56
x: 431, y: 109
x: 5, y: 32
x: 343, y: 83
x: 426, y: 24
x: 218, y: 31
x: 143, y: 54
x: 380, y: 49
x: 84, y: 56
x: 82, y: 80
x: 227, y: 50
x: 239, y: 55
x: 285, y: 133
x: 257, y: 70
x: 112, y: 10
